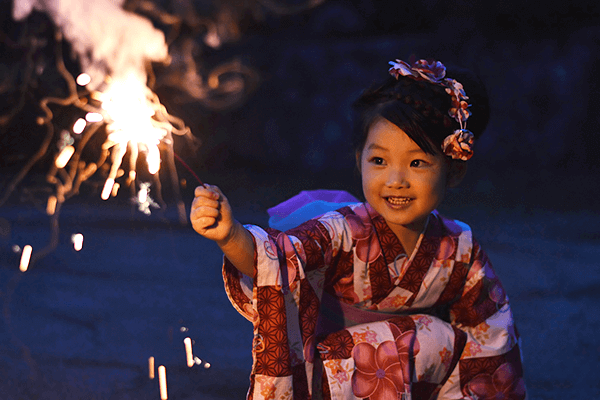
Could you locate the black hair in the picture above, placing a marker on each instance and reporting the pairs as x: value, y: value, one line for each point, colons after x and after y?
x: 420, y: 109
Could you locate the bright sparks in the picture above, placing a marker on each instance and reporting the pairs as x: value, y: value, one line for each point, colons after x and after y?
x: 79, y: 126
x: 130, y: 109
x: 94, y: 117
x: 108, y: 187
x: 64, y: 156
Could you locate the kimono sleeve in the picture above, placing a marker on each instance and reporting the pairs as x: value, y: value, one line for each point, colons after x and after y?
x: 281, y: 259
x: 491, y: 352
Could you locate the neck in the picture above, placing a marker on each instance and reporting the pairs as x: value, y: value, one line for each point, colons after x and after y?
x: 409, y: 235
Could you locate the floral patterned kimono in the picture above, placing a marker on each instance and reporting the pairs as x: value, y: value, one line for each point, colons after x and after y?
x: 341, y: 312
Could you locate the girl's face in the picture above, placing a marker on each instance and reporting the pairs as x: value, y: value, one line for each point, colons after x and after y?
x: 400, y: 181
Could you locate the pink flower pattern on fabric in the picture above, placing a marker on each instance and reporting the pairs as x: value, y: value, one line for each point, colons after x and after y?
x: 378, y: 374
x: 383, y: 372
x: 367, y: 248
x: 504, y: 384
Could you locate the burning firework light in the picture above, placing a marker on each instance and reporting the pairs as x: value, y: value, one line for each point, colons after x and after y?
x: 111, y: 42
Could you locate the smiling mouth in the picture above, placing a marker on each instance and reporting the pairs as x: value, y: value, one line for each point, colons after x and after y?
x: 398, y: 201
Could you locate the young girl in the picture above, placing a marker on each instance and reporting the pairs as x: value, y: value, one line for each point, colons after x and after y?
x: 384, y: 299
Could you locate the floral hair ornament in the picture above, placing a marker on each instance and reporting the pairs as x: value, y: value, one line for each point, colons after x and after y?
x: 458, y: 145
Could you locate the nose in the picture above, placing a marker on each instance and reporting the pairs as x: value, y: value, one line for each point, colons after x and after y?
x: 396, y: 178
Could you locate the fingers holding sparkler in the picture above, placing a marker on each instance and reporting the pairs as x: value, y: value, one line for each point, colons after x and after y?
x: 211, y: 214
x: 211, y: 217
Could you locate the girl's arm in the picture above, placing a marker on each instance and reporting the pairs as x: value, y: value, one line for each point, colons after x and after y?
x: 211, y: 217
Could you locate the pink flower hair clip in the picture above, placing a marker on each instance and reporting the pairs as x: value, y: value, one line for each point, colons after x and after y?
x: 458, y: 145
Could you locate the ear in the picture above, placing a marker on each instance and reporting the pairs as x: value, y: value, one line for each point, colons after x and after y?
x: 358, y: 155
x: 458, y: 170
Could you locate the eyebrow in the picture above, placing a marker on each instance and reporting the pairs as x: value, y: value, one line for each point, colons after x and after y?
x: 375, y: 146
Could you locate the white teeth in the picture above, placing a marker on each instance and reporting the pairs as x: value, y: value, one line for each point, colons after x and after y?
x: 398, y: 200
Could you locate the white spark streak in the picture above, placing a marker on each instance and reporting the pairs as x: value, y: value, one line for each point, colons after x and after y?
x: 77, y: 240
x: 64, y: 156
x: 108, y: 186
x: 79, y: 126
x: 115, y: 189
x: 25, y: 257
x: 93, y: 117
x: 51, y: 205
x: 83, y: 79
x: 188, y: 352
x: 143, y: 195
x: 144, y: 200
x: 162, y: 381
x: 151, y: 367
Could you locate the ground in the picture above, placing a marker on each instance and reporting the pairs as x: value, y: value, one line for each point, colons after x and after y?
x: 82, y: 325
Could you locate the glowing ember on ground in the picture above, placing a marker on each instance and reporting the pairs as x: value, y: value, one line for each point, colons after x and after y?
x: 77, y: 240
x: 25, y: 257
x: 151, y: 367
x: 162, y: 381
x: 188, y: 352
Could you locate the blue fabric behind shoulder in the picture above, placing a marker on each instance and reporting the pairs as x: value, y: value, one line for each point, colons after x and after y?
x: 304, y: 213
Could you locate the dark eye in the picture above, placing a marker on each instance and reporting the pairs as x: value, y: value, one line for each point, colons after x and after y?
x: 417, y: 163
x: 377, y: 160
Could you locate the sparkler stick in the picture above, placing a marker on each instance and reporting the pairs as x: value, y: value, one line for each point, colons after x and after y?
x: 188, y: 168
x: 162, y: 381
x: 188, y: 352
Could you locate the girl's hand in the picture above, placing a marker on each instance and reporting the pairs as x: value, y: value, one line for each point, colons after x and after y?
x: 212, y: 218
x: 211, y: 214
